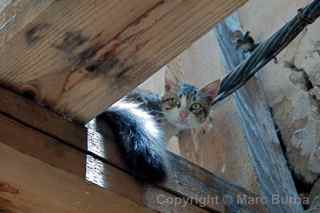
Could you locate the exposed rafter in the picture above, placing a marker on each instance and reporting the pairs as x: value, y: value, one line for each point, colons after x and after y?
x: 78, y: 57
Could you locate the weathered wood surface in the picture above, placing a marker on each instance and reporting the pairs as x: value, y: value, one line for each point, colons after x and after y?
x: 185, y: 179
x: 80, y: 56
x: 267, y: 156
x: 16, y: 14
x: 44, y: 174
x: 30, y: 186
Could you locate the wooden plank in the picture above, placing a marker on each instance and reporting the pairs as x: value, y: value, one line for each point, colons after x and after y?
x: 155, y: 196
x: 46, y: 155
x: 270, y: 165
x: 31, y: 186
x: 28, y: 185
x: 26, y: 111
x: 80, y: 56
x: 185, y: 179
x: 16, y: 14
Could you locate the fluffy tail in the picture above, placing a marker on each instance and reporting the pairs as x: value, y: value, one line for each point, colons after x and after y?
x: 140, y: 138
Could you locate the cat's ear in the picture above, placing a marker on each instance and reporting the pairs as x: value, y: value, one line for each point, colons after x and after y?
x: 211, y: 90
x: 172, y: 81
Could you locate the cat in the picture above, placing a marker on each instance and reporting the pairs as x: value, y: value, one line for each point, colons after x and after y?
x: 142, y: 121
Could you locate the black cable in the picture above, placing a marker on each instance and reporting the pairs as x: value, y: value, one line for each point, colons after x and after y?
x: 268, y: 50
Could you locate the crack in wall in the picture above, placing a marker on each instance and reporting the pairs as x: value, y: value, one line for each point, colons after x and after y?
x: 300, y: 78
x: 303, y: 187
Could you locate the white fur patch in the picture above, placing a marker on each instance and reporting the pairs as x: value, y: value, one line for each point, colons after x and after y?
x: 149, y: 124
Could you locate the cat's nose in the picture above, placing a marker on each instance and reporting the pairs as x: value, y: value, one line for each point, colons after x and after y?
x: 184, y: 115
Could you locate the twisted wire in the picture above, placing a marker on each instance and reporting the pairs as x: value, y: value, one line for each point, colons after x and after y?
x: 268, y: 50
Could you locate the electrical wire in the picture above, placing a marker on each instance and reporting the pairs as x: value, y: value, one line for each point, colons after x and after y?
x: 268, y: 50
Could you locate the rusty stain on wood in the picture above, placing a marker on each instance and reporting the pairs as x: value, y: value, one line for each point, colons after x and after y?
x: 146, y: 14
x: 72, y: 40
x: 95, y: 62
x: 132, y: 49
x: 88, y: 54
x: 35, y: 33
x: 134, y: 24
x: 106, y: 61
x: 5, y: 187
x: 96, y: 58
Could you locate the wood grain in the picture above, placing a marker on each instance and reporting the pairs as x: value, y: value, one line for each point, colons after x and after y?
x: 37, y: 187
x: 16, y: 14
x: 270, y: 165
x: 40, y: 158
x: 77, y: 57
x: 38, y: 117
x: 185, y: 178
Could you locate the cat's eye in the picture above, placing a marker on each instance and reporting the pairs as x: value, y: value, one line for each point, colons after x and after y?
x: 195, y: 107
x: 174, y: 101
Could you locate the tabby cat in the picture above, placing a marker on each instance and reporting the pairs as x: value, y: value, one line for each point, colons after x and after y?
x: 142, y: 122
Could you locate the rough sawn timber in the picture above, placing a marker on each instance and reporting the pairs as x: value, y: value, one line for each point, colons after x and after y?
x: 275, y: 180
x: 44, y: 135
x: 77, y: 57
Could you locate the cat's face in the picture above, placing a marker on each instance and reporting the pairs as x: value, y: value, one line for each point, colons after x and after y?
x: 186, y: 106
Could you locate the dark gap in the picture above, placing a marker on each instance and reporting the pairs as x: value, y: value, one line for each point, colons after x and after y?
x: 29, y: 94
x: 291, y: 65
x: 309, y: 84
x: 282, y: 145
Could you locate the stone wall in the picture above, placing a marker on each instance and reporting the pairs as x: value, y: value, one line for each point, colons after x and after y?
x: 292, y: 86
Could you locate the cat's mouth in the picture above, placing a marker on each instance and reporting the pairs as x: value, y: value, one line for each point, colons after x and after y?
x: 182, y: 124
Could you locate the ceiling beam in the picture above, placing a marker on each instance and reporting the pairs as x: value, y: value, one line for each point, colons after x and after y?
x: 78, y: 57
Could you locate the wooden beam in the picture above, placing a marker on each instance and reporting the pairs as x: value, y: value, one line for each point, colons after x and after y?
x: 16, y: 14
x: 185, y: 179
x: 77, y: 57
x: 29, y: 185
x: 44, y: 174
x: 274, y: 177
